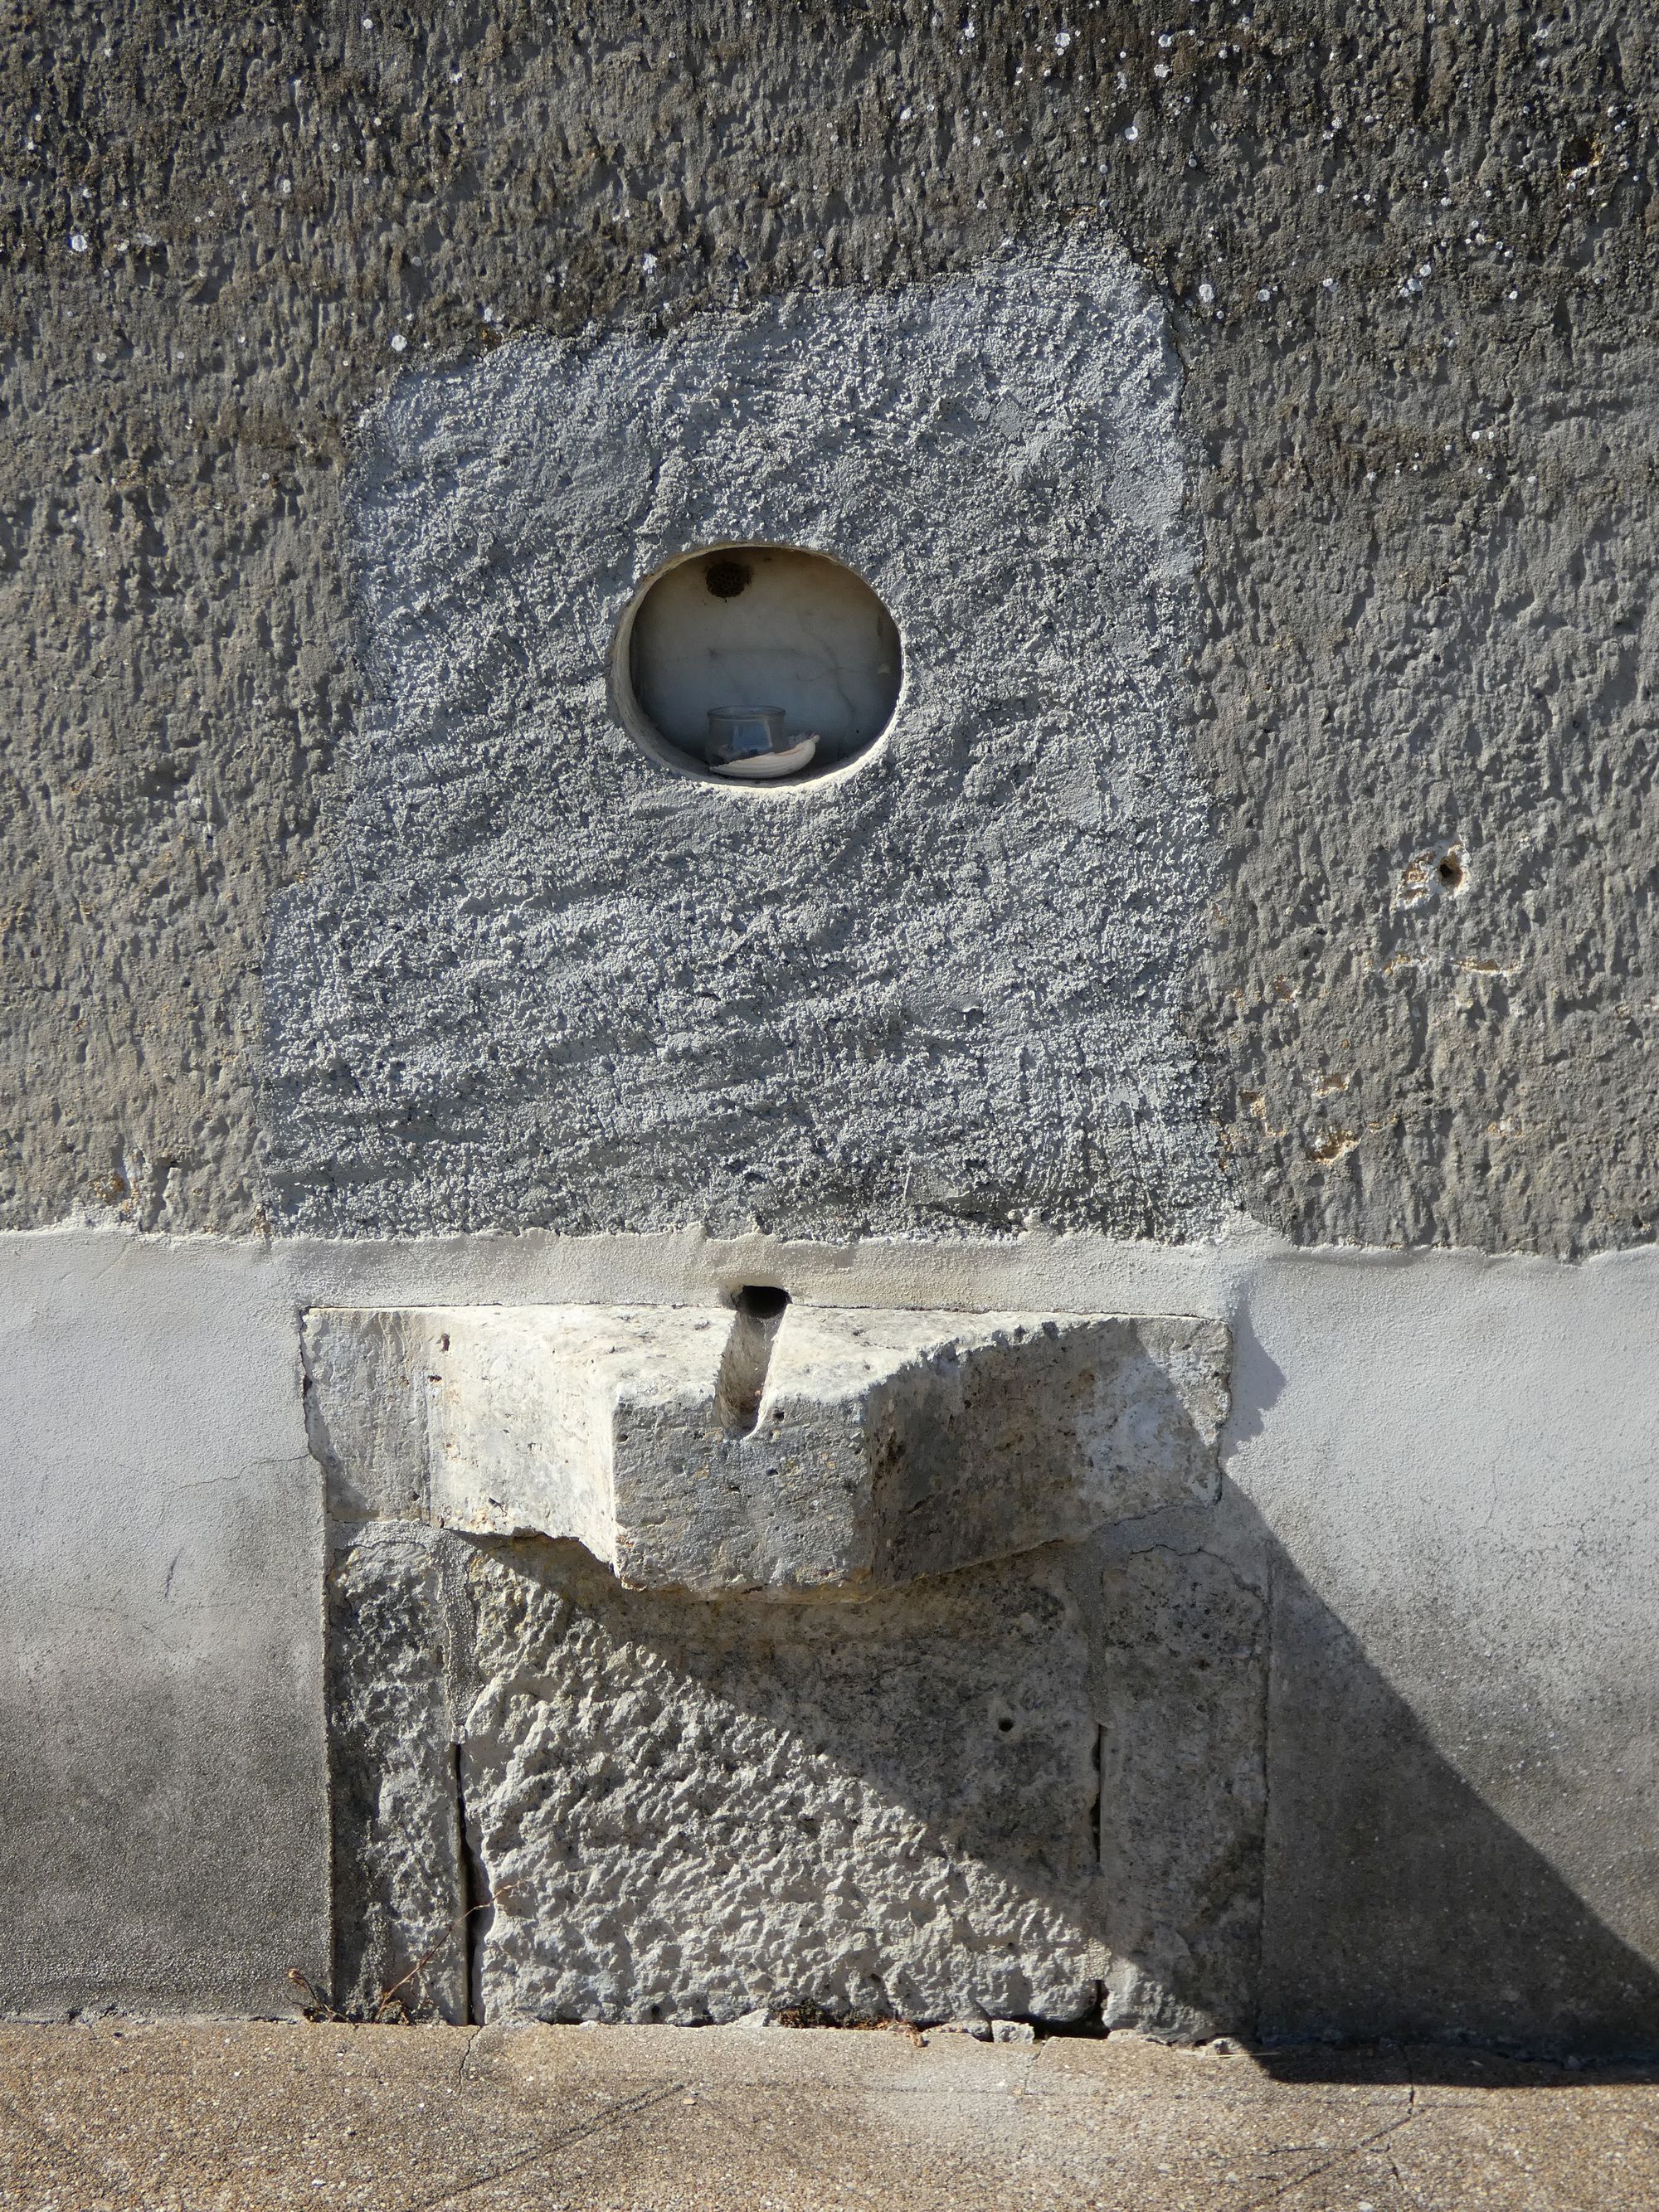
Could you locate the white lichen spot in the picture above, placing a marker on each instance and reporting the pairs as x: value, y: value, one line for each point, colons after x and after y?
x: 1131, y: 133
x: 399, y: 342
x: 1062, y: 40
x: 77, y: 241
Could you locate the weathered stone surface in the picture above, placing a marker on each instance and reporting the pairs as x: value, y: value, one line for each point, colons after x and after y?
x: 834, y: 1449
x: 400, y: 1881
x: 684, y: 1804
x: 1184, y: 1639
x: 690, y: 1810
x: 365, y: 1385
x: 950, y: 1438
x: 1017, y: 1790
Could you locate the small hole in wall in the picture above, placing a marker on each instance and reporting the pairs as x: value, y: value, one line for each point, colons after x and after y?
x: 757, y: 667
x: 726, y: 579
x: 1451, y: 872
x: 761, y: 1301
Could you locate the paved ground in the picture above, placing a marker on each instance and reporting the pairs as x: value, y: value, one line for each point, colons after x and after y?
x: 207, y: 2115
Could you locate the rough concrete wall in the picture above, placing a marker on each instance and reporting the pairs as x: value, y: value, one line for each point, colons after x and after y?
x: 225, y: 235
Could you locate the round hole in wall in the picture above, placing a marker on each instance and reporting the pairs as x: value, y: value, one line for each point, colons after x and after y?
x: 757, y: 667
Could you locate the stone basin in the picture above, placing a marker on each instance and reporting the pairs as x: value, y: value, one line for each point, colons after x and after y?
x: 814, y: 1449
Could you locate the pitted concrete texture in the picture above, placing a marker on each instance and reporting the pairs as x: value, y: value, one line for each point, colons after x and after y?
x: 816, y: 1449
x: 945, y: 992
x: 251, y: 2119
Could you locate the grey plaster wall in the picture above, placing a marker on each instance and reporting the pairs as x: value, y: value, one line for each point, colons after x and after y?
x: 1406, y: 267
x: 1458, y: 1830
x: 225, y: 236
x: 161, y: 1636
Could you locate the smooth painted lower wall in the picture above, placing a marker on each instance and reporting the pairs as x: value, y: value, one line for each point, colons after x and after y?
x: 1450, y: 1460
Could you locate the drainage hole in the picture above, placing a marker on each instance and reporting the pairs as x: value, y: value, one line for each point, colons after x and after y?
x: 727, y: 579
x: 761, y: 1301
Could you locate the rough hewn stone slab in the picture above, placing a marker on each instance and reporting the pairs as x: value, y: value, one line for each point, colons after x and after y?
x: 858, y: 1449
x: 692, y: 1810
x: 399, y: 1880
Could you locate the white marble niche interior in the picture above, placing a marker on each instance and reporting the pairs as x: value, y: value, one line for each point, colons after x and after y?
x: 760, y: 626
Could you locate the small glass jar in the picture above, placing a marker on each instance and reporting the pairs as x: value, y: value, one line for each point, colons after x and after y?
x: 739, y: 733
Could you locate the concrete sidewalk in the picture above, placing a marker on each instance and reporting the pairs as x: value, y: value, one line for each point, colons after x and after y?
x: 214, y: 2118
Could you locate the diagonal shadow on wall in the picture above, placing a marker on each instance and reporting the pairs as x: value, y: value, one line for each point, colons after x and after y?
x: 1401, y: 1903
x: 686, y: 1808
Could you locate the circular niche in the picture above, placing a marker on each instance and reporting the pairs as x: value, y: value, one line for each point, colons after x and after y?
x: 793, y: 656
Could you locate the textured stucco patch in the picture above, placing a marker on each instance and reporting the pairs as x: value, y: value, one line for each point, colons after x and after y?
x: 539, y: 979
